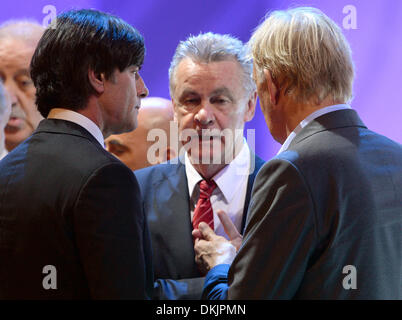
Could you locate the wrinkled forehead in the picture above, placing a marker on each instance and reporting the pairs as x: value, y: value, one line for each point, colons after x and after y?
x: 225, y: 75
x: 15, y: 53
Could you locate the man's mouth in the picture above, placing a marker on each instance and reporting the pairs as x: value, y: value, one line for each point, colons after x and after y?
x: 13, y: 125
x: 197, y: 136
x: 207, y: 138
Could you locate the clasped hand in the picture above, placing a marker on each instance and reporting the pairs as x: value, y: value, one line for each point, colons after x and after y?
x: 211, y: 249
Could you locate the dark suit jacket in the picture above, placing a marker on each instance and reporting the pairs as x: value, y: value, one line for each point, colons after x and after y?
x: 66, y: 202
x: 167, y: 206
x: 325, y: 214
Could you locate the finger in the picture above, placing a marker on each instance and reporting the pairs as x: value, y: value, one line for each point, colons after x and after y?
x: 228, y: 225
x: 196, y: 234
x: 196, y: 247
x: 206, y: 232
x: 199, y: 246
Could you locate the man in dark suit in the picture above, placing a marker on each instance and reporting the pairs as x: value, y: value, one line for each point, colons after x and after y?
x: 213, y: 95
x: 325, y: 216
x: 71, y: 220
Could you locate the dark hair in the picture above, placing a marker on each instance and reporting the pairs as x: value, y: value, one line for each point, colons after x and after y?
x: 79, y: 41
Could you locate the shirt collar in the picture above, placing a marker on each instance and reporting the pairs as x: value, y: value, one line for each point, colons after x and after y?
x: 228, y: 179
x: 81, y: 120
x: 308, y: 119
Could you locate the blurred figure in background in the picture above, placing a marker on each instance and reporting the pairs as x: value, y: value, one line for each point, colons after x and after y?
x: 18, y: 40
x: 5, y: 110
x: 132, y: 147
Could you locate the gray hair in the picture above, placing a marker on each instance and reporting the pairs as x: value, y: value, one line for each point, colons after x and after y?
x: 212, y: 47
x: 28, y: 31
x: 308, y: 49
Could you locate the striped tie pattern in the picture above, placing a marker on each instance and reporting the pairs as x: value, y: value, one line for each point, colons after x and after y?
x: 203, y: 210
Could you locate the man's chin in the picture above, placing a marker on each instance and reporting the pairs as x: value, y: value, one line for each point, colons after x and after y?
x: 120, y: 129
x: 14, y: 136
x: 207, y: 158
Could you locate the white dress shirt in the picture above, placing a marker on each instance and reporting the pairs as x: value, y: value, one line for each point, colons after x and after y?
x: 78, y: 118
x: 308, y: 119
x: 230, y: 193
x: 3, y: 154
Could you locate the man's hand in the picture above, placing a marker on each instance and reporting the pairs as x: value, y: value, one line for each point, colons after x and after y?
x: 211, y: 249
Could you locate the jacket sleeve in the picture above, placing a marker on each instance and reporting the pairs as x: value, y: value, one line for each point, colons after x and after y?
x: 216, y: 283
x: 109, y: 232
x: 183, y: 289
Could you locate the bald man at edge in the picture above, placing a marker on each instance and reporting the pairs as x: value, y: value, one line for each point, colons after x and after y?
x: 132, y: 147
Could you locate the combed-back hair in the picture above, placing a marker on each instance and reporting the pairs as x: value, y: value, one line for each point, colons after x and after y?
x: 211, y: 47
x: 307, y: 49
x: 79, y: 41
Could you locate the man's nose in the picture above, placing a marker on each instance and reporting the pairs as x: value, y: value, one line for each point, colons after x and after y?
x: 142, y: 90
x: 205, y: 115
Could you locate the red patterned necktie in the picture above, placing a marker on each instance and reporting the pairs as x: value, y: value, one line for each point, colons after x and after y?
x: 203, y: 209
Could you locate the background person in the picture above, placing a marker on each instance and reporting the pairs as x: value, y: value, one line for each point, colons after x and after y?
x: 18, y: 40
x: 132, y: 147
x: 5, y: 110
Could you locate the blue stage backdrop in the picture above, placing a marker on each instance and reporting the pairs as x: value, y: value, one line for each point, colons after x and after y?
x: 373, y: 28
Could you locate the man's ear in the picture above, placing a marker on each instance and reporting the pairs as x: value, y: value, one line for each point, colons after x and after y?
x: 249, y: 114
x: 97, y: 81
x: 174, y: 110
x: 272, y: 87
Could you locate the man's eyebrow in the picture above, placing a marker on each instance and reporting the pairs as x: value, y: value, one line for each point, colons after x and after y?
x: 23, y: 72
x: 115, y: 142
x: 223, y: 91
x: 187, y: 92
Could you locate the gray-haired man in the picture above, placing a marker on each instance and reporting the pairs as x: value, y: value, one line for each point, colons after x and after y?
x: 5, y: 109
x: 213, y: 95
x: 18, y: 40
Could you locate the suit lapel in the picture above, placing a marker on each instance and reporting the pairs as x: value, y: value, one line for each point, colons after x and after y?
x: 174, y: 203
x: 258, y: 163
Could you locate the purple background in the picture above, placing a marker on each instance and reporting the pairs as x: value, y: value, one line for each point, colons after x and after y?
x: 376, y: 44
